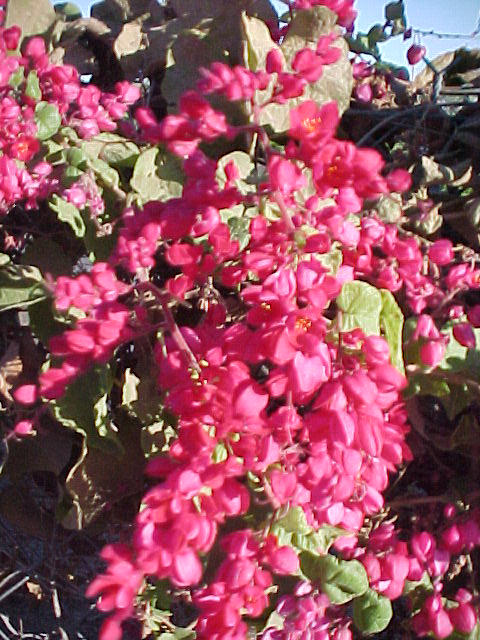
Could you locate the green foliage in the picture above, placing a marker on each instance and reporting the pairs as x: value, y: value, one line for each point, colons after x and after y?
x: 47, y: 119
x: 293, y: 529
x: 371, y: 612
x: 375, y: 311
x: 68, y: 213
x: 156, y: 177
x: 361, y: 305
x: 341, y: 580
x: 83, y: 408
x: 20, y: 285
x: 32, y: 87
x: 391, y: 325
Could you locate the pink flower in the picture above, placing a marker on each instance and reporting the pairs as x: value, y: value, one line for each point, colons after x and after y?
x: 23, y: 428
x: 311, y: 124
x: 441, y: 252
x: 284, y: 561
x: 463, y: 618
x: 274, y: 61
x: 308, y: 65
x: 464, y: 334
x: 416, y: 53
x: 285, y: 176
x: 26, y: 394
x: 363, y: 92
x: 431, y: 353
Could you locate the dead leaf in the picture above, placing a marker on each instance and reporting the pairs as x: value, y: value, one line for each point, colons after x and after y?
x: 35, y: 589
x: 10, y: 368
x: 129, y: 40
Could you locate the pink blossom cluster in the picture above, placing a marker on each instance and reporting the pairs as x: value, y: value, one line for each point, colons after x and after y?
x: 85, y: 193
x: 93, y: 339
x: 197, y: 121
x: 240, y: 584
x: 276, y: 405
x: 23, y: 175
x: 317, y: 421
x: 88, y: 290
x: 194, y: 215
x: 389, y: 562
x: 238, y: 83
x: 118, y: 588
x: 307, y: 614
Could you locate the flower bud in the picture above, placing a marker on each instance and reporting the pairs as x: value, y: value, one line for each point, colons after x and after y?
x: 416, y: 53
x: 363, y: 92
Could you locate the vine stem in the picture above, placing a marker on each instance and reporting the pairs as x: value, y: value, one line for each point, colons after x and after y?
x: 287, y: 218
x: 406, y: 502
x: 170, y: 322
x: 178, y: 336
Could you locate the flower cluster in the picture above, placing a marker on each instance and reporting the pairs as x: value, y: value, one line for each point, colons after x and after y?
x: 284, y: 398
x: 31, y: 85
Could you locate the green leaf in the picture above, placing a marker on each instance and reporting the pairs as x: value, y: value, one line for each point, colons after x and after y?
x: 156, y: 178
x: 68, y: 213
x: 129, y: 388
x: 108, y: 175
x: 53, y: 152
x: 20, y: 285
x: 68, y: 10
x: 318, y: 541
x: 47, y: 119
x: 295, y: 521
x: 376, y: 34
x: 391, y: 325
x: 394, y: 10
x: 258, y: 42
x: 83, y: 408
x: 240, y: 230
x: 458, y: 358
x: 372, y: 612
x: 71, y: 175
x: 417, y: 591
x: 48, y: 256
x: 390, y: 208
x: 220, y: 453
x: 76, y: 157
x: 111, y: 148
x: 341, y: 580
x: 361, y: 44
x: 32, y: 88
x: 178, y: 634
x: 16, y: 78
x: 106, y: 472
x: 361, y: 305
